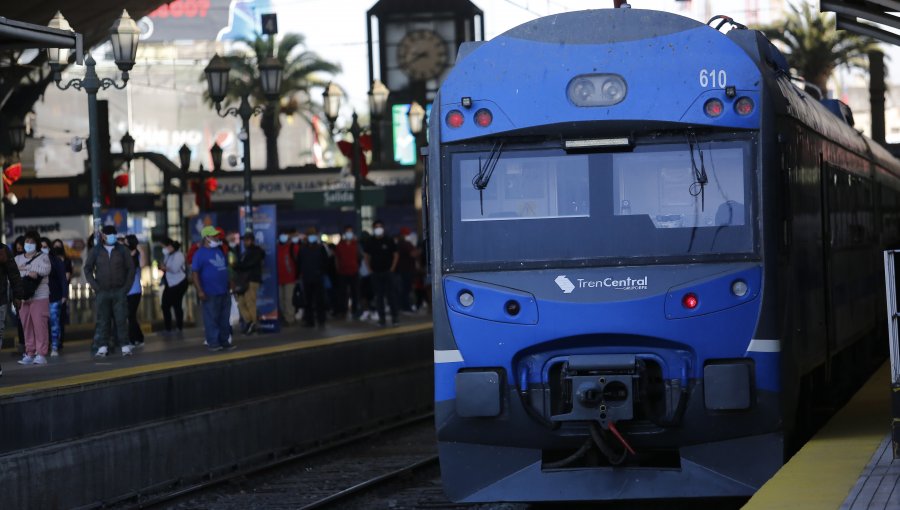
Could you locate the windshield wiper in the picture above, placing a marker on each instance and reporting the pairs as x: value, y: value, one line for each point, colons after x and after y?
x: 700, y: 177
x: 485, y: 170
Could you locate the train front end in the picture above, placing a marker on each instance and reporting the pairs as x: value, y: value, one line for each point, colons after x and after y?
x: 595, y: 236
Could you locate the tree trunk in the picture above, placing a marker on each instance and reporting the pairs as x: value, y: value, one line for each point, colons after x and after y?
x: 271, y: 127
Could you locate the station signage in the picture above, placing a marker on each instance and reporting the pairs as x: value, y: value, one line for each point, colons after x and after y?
x: 269, y: 188
x: 338, y: 198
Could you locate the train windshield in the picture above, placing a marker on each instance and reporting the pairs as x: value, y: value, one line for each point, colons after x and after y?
x: 660, y: 202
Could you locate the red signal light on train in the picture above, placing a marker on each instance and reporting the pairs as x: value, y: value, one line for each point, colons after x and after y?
x: 714, y: 108
x: 743, y: 106
x: 484, y: 117
x: 455, y: 118
x: 690, y: 301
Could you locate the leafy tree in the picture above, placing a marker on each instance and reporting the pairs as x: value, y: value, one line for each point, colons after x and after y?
x: 302, y: 71
x: 815, y: 48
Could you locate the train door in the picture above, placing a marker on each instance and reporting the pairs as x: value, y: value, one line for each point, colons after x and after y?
x: 828, y: 179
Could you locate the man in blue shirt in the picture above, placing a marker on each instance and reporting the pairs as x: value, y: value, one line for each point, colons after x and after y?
x: 209, y: 270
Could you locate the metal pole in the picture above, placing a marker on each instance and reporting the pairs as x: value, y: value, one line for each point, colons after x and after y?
x: 3, y: 205
x: 94, y: 156
x: 201, y: 189
x: 244, y: 111
x: 181, y: 190
x: 357, y: 178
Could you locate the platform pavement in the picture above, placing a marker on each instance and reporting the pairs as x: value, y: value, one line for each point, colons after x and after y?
x: 843, y: 466
x: 76, y: 365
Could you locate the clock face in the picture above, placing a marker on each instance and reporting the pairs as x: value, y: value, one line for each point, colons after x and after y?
x: 422, y: 55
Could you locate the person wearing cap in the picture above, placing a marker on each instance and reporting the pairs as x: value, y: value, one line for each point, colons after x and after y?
x: 209, y: 271
x: 312, y: 263
x: 247, y: 279
x: 109, y: 270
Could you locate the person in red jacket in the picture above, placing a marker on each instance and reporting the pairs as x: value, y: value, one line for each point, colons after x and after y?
x: 286, y: 254
x: 347, y: 256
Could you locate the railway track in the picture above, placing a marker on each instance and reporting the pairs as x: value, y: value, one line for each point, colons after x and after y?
x: 325, y: 468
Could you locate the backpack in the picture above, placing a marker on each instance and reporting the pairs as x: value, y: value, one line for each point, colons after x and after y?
x: 29, y: 284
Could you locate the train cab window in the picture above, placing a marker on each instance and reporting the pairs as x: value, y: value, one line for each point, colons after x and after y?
x: 541, y: 206
x: 664, y: 183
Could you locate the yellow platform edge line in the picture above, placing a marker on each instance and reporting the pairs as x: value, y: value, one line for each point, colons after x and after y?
x: 121, y: 373
x: 821, y: 475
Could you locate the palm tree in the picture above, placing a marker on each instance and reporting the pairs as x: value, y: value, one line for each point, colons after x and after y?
x: 301, y: 72
x: 815, y: 48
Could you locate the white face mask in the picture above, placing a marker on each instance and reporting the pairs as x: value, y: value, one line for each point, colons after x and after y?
x: 283, y: 238
x: 213, y: 244
x: 295, y: 240
x: 30, y: 247
x: 379, y: 231
x: 45, y: 251
x: 348, y: 236
x: 167, y: 250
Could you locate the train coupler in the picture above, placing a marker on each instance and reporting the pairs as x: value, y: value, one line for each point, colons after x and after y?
x: 596, y: 388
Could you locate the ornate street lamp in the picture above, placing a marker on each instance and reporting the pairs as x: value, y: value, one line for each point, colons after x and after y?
x: 127, y: 143
x: 124, y: 36
x: 378, y: 97
x: 332, y: 104
x: 331, y: 101
x: 271, y: 72
x: 416, y: 118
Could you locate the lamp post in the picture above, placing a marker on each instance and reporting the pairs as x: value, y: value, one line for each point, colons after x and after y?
x: 16, y: 131
x: 124, y: 35
x: 332, y: 103
x: 127, y: 143
x: 184, y: 157
x: 271, y: 72
x: 378, y: 96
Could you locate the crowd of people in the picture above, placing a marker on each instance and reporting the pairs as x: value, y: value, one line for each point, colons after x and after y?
x: 372, y: 276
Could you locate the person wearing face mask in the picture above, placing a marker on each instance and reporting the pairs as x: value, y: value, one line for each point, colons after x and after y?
x: 406, y: 269
x: 35, y: 310
x: 347, y: 256
x: 209, y: 270
x: 11, y: 283
x: 176, y: 283
x: 312, y: 263
x: 382, y: 257
x: 59, y: 293
x: 286, y: 257
x: 135, y: 335
x: 109, y: 270
x: 247, y: 279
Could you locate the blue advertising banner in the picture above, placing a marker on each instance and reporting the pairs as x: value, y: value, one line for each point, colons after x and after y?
x: 115, y: 217
x: 196, y: 224
x: 265, y: 231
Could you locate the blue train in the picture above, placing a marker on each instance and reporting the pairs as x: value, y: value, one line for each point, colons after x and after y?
x: 650, y: 253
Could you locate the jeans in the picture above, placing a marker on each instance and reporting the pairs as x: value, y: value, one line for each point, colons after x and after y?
x: 111, y: 306
x: 315, y: 302
x: 347, y: 285
x: 216, y: 312
x: 55, y: 324
x: 172, y: 301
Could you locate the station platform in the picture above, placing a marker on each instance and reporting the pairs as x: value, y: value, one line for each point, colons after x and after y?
x: 104, y: 431
x: 847, y: 465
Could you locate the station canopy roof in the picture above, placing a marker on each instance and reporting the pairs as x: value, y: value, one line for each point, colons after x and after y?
x: 859, y: 15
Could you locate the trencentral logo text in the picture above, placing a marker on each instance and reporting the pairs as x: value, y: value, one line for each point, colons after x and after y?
x: 626, y: 284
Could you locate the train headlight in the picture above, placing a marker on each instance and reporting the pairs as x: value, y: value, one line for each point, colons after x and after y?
x: 739, y: 288
x: 597, y: 90
x: 466, y: 298
x: 743, y: 106
x: 713, y: 108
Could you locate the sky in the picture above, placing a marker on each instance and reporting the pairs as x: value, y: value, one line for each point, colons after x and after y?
x: 336, y: 29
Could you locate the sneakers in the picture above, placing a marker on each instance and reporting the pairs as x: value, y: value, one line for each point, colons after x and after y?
x: 126, y: 350
x: 229, y: 347
x: 364, y: 316
x: 101, y: 352
x: 214, y: 349
x: 40, y: 360
x: 138, y: 345
x: 250, y: 328
x: 54, y: 353
x: 26, y: 360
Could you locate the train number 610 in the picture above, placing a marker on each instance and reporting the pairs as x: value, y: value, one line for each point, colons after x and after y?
x: 713, y: 79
